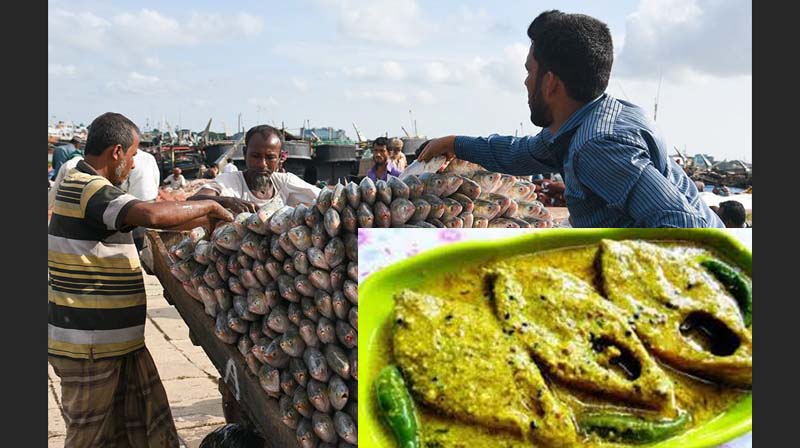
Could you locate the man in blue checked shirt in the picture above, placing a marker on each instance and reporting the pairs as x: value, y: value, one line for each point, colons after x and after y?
x: 613, y: 160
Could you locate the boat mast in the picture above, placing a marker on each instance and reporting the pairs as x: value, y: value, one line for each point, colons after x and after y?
x: 658, y: 93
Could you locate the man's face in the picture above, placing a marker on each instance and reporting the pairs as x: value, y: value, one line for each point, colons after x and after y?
x: 540, y: 113
x: 379, y: 154
x: 125, y: 164
x: 262, y: 158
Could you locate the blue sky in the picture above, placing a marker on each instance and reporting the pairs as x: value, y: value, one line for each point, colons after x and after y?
x: 457, y: 65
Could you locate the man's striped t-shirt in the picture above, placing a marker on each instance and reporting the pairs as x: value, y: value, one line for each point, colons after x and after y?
x: 96, y: 296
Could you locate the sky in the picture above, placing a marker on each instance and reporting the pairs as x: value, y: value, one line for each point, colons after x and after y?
x: 454, y: 67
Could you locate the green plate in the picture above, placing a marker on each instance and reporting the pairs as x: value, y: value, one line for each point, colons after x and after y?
x: 378, y: 290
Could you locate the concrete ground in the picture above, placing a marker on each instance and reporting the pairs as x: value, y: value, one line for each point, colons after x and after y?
x: 188, y: 375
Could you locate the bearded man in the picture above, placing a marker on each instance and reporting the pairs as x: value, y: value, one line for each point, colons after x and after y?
x: 614, y: 162
x: 261, y: 183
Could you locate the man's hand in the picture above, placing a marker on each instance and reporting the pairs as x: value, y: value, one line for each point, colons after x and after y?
x: 219, y: 212
x: 236, y: 205
x: 443, y: 146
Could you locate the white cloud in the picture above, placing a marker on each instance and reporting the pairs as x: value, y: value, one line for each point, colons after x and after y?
x: 263, y: 102
x: 507, y: 71
x: 394, y: 71
x: 396, y: 22
x: 60, y: 70
x: 438, y: 72
x: 359, y: 73
x: 300, y: 84
x: 137, y: 83
x: 426, y: 97
x: 145, y: 29
x: 388, y: 70
x: 473, y: 21
x: 685, y: 38
x: 82, y: 30
x: 152, y: 62
x: 376, y: 95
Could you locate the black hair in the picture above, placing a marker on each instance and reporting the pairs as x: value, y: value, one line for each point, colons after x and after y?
x: 233, y: 436
x: 733, y: 213
x: 265, y: 130
x: 107, y: 130
x: 381, y: 141
x: 576, y: 48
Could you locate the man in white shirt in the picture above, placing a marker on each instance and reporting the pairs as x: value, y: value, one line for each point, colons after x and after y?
x: 175, y: 180
x: 260, y: 184
x: 62, y: 172
x: 143, y: 180
x: 143, y: 184
x: 230, y: 167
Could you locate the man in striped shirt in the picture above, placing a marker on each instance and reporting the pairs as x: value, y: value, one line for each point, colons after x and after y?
x: 111, y: 392
x: 613, y: 160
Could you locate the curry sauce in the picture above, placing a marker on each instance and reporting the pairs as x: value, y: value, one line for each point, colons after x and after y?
x: 703, y: 399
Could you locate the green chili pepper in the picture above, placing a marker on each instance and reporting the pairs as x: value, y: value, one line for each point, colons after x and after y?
x: 397, y: 407
x: 631, y: 428
x: 735, y: 283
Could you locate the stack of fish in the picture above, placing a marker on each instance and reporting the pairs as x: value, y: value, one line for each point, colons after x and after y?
x: 282, y: 287
x: 282, y: 284
x: 476, y: 199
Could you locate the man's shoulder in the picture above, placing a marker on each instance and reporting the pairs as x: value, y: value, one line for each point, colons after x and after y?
x: 233, y: 176
x: 232, y: 181
x: 614, y: 120
x: 286, y: 178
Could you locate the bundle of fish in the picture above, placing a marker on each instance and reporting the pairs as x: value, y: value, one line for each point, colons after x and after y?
x: 282, y: 286
x: 476, y: 199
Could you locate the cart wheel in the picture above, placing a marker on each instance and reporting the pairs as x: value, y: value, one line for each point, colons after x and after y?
x: 194, y: 340
x: 168, y: 298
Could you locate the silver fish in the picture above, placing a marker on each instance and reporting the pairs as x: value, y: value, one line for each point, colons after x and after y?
x: 332, y: 222
x: 324, y: 200
x: 384, y: 192
x: 334, y: 252
x: 469, y: 188
x: 401, y: 211
x: 318, y: 395
x: 279, y: 222
x: 338, y: 198
x: 421, y: 209
x: 364, y: 216
x: 398, y: 187
x: 368, y: 190
x: 338, y: 392
x: 353, y: 194
x: 322, y: 300
x: 349, y: 221
x: 300, y: 261
x: 466, y: 203
x: 383, y: 216
x: 300, y: 237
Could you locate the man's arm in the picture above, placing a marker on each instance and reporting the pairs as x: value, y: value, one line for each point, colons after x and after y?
x: 175, y: 215
x: 296, y: 191
x: 235, y: 205
x: 624, y: 176
x: 510, y: 155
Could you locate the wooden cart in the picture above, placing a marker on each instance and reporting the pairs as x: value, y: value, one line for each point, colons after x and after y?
x: 243, y: 399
